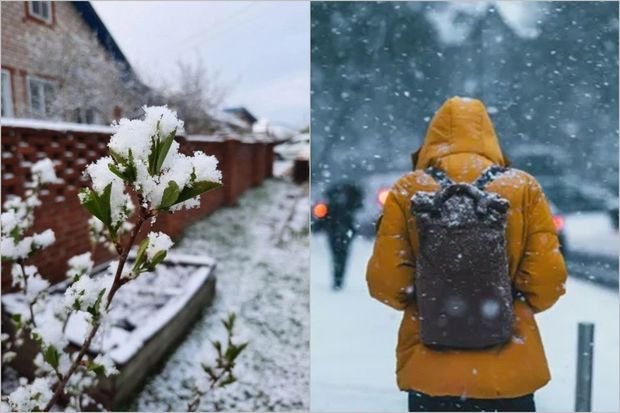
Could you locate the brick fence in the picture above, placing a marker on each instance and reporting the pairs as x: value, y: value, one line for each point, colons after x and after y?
x: 244, y: 164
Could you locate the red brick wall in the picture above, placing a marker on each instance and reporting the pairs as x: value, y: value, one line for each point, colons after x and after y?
x: 243, y: 165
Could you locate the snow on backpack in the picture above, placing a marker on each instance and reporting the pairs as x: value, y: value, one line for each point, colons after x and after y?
x: 462, y: 284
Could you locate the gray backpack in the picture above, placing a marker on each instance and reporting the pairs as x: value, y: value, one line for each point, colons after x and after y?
x: 462, y: 286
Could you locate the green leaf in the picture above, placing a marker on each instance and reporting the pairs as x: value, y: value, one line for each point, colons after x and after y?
x: 94, y: 309
x: 105, y: 204
x: 36, y: 338
x: 171, y: 194
x: 230, y: 379
x: 163, y: 148
x: 209, y: 370
x: 129, y: 173
x: 233, y: 351
x: 90, y: 201
x: 117, y: 157
x: 218, y: 347
x: 98, y: 369
x: 196, y: 189
x: 117, y: 171
x: 140, y: 254
x: 51, y: 356
x: 130, y: 170
x: 17, y: 320
x: 16, y: 234
x: 153, y: 154
x: 97, y: 205
x: 159, y: 257
x: 229, y: 323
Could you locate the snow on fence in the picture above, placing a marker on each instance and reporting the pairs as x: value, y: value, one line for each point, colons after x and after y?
x: 244, y: 164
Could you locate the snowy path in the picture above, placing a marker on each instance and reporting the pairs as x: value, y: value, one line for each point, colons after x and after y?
x: 263, y: 277
x: 353, y: 342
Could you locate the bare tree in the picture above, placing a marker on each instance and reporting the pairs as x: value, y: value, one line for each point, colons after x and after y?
x: 88, y: 84
x: 196, y: 95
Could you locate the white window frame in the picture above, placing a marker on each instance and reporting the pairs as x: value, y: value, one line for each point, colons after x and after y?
x: 31, y: 78
x: 38, y: 16
x: 7, y: 94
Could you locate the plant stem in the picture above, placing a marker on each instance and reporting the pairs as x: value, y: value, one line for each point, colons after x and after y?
x: 193, y: 404
x: 116, y: 284
x: 30, y: 305
x: 93, y: 249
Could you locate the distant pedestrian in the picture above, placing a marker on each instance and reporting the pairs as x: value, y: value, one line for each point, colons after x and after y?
x: 468, y: 250
x: 343, y: 200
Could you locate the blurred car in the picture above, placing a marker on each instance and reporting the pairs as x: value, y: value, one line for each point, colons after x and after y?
x: 560, y: 223
x: 376, y: 189
x: 293, y: 148
x: 612, y: 210
x: 552, y: 168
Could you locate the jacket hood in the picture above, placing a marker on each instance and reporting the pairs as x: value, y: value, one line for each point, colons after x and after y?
x: 461, y: 125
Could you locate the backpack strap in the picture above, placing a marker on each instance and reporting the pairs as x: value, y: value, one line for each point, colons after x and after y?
x: 440, y: 176
x: 488, y: 175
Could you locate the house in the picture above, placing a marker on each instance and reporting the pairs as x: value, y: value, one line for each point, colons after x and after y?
x: 38, y: 83
x: 237, y: 119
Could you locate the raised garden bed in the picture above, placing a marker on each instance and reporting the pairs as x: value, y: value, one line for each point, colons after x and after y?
x: 148, y: 317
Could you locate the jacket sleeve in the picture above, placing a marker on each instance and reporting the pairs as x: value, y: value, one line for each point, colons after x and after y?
x: 541, y: 273
x: 392, y: 264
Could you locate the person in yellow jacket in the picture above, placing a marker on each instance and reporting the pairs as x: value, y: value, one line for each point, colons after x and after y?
x: 462, y: 142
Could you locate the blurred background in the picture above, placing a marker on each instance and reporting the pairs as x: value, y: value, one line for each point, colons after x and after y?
x: 238, y: 74
x: 548, y: 73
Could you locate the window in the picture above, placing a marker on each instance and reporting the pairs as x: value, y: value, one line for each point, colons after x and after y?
x: 41, y: 10
x: 89, y: 116
x: 40, y: 96
x: 7, y: 95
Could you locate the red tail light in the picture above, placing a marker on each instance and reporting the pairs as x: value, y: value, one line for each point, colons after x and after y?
x: 382, y: 195
x: 320, y: 210
x: 559, y: 222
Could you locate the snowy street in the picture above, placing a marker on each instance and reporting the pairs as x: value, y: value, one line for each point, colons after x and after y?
x: 261, y: 248
x: 354, y: 339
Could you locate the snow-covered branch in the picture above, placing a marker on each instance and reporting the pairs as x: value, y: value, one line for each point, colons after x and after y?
x: 145, y: 164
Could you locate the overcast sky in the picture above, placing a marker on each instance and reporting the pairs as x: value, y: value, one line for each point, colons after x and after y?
x: 260, y: 50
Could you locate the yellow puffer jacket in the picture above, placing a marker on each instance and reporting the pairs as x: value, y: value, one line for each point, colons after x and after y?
x: 461, y: 141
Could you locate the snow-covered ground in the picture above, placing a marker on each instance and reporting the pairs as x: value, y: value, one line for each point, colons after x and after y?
x: 281, y: 168
x: 261, y: 248
x: 353, y: 341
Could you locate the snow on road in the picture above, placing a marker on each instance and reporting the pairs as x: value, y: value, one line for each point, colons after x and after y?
x: 261, y: 248
x: 353, y: 340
